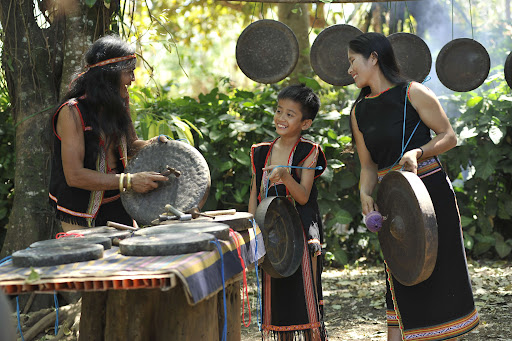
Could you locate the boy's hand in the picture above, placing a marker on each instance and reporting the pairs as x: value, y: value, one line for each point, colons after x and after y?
x: 276, y: 173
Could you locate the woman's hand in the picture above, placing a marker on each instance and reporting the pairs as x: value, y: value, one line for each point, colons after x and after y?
x: 146, y: 181
x: 367, y: 203
x: 276, y: 173
x: 410, y: 160
x: 159, y: 138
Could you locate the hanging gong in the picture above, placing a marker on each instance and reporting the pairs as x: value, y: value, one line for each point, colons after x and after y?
x: 412, y: 55
x: 267, y: 51
x: 408, y: 237
x: 329, y: 51
x: 283, y: 236
x: 463, y: 65
x: 184, y: 192
x: 508, y: 70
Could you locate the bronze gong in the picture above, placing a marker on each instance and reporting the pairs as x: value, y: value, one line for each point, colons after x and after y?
x: 508, y: 70
x: 188, y: 190
x: 408, y: 237
x: 283, y: 237
x: 267, y: 51
x: 412, y: 54
x: 463, y: 65
x: 329, y: 51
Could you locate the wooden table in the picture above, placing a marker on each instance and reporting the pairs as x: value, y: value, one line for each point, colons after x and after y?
x: 150, y: 298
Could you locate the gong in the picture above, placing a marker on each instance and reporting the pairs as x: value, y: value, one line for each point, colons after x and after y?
x: 408, y: 237
x: 329, y: 51
x: 463, y: 65
x: 283, y: 236
x: 239, y: 221
x: 508, y: 70
x: 104, y: 231
x: 41, y: 256
x: 189, y: 189
x: 72, y: 241
x: 219, y: 230
x: 412, y: 55
x: 267, y: 51
x: 166, y: 244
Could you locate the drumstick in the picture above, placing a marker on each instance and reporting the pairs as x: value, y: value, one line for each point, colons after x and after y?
x: 221, y: 212
x: 121, y: 226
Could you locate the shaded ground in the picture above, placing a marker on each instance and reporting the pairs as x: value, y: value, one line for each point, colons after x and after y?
x: 354, y: 303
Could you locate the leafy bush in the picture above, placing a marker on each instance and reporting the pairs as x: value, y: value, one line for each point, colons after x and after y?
x: 482, y: 165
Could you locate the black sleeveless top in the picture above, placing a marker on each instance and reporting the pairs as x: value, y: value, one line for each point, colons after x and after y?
x: 380, y: 120
x: 75, y: 205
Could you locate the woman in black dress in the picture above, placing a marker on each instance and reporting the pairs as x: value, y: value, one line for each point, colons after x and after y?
x: 441, y: 307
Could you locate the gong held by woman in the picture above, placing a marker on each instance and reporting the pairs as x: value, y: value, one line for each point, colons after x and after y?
x: 391, y: 121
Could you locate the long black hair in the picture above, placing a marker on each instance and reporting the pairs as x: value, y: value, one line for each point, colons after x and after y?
x: 372, y: 42
x: 99, y: 87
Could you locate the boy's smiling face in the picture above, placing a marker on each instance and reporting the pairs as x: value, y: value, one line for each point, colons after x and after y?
x: 288, y: 118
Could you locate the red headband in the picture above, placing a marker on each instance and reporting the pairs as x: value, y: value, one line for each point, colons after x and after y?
x: 104, y: 62
x: 112, y: 60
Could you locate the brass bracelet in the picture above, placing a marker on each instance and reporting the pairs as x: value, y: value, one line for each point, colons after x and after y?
x: 121, y: 184
x: 129, y: 181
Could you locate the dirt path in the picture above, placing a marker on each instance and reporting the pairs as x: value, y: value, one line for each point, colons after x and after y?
x: 354, y: 303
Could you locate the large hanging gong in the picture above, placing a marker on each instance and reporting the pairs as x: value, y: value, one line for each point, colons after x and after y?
x: 329, y: 54
x: 282, y: 232
x: 408, y: 237
x: 412, y: 54
x: 463, y: 65
x: 184, y: 192
x: 508, y: 70
x: 267, y: 51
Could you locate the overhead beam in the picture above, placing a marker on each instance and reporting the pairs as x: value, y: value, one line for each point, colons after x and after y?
x: 317, y: 1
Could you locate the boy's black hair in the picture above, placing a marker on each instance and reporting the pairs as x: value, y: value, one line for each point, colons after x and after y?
x: 309, y: 101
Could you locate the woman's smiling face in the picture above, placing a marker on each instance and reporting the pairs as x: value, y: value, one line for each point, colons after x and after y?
x: 360, y: 68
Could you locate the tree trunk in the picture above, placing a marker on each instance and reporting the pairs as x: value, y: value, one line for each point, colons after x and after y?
x: 33, y: 59
x: 297, y: 18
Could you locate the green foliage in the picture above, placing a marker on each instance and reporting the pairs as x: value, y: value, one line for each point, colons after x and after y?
x: 153, y: 117
x: 484, y: 153
x: 228, y: 122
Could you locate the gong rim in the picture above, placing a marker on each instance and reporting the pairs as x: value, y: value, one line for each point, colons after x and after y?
x: 408, y: 236
x: 328, y: 55
x: 412, y: 54
x: 283, y: 237
x: 185, y: 192
x: 259, y: 51
x: 463, y: 65
x: 508, y: 70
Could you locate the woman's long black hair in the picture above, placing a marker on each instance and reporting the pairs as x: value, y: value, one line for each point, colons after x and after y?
x: 100, y: 87
x: 372, y: 42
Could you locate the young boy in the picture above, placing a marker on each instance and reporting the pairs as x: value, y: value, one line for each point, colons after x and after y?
x: 293, y: 306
